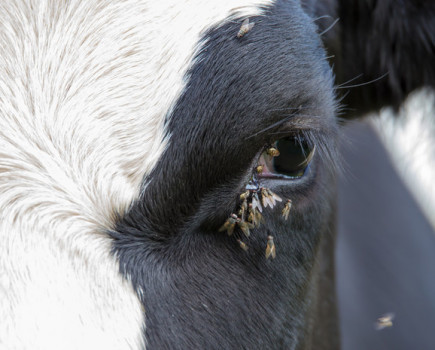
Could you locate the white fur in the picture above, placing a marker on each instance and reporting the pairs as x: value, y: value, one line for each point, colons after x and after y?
x: 409, y: 138
x: 85, y: 86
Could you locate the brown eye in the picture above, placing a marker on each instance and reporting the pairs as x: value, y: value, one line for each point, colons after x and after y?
x: 291, y: 160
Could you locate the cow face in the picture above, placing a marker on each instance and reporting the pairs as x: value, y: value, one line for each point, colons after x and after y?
x: 200, y: 287
x: 130, y: 133
x: 139, y: 141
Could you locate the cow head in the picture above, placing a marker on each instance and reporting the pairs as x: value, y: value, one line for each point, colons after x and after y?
x: 142, y: 198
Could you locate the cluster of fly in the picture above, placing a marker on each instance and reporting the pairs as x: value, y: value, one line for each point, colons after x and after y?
x: 253, y: 201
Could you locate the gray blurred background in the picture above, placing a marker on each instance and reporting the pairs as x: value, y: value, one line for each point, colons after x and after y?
x: 386, y: 245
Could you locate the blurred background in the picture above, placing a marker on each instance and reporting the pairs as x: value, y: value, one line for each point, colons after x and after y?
x: 386, y: 236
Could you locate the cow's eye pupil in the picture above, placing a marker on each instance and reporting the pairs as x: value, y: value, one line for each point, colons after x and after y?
x: 294, y: 156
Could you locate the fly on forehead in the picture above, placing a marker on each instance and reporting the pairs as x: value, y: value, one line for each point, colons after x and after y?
x: 245, y: 28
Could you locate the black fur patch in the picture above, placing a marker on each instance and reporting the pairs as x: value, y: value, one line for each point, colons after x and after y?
x: 381, y: 50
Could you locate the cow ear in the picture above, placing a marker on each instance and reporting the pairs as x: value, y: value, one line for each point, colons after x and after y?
x: 380, y: 50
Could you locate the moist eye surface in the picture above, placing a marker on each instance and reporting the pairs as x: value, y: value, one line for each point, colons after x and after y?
x: 291, y: 161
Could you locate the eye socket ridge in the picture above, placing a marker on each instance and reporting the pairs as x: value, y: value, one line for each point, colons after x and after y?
x: 286, y: 158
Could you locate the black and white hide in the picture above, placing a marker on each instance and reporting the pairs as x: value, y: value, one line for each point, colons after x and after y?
x: 142, y: 200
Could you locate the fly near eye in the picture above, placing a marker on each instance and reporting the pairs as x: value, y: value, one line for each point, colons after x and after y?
x: 229, y: 224
x: 270, y: 248
x: 273, y: 152
x: 286, y: 211
x: 243, y: 245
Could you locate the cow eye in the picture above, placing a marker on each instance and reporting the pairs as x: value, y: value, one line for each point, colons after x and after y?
x: 287, y: 158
